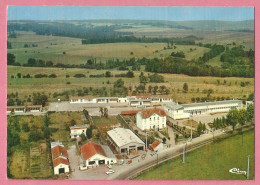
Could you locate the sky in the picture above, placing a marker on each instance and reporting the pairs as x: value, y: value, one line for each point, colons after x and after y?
x: 138, y: 13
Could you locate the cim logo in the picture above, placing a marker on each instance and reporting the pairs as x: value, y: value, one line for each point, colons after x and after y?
x: 237, y: 171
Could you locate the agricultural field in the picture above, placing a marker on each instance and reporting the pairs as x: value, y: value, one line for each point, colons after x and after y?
x: 31, y: 158
x: 198, y: 86
x: 209, y: 162
x: 51, y: 48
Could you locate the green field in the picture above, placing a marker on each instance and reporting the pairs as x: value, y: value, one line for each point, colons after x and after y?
x: 27, y: 86
x: 211, y: 162
x: 51, y: 48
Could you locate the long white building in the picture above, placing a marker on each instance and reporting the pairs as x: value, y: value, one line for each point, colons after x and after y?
x: 151, y: 119
x: 182, y: 111
x: 133, y: 101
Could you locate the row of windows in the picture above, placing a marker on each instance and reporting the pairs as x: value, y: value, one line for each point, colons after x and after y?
x: 216, y: 108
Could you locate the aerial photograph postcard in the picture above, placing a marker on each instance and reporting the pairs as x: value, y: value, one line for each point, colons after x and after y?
x: 130, y: 93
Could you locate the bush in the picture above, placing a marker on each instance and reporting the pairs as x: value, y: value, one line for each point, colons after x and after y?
x: 79, y: 75
x: 52, y: 75
x: 40, y: 76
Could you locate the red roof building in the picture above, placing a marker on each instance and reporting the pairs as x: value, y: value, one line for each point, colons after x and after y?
x: 90, y: 149
x: 60, y: 160
x: 58, y: 151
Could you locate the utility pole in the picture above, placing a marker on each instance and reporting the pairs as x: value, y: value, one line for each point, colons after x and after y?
x: 248, y: 157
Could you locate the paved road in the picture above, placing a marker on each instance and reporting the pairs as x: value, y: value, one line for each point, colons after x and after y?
x: 127, y: 170
x: 74, y: 159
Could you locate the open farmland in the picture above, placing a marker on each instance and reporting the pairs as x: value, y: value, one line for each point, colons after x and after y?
x: 209, y: 162
x: 198, y: 86
x: 51, y: 48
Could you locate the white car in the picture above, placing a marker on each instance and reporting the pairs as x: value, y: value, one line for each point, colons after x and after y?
x: 109, y: 166
x: 110, y: 172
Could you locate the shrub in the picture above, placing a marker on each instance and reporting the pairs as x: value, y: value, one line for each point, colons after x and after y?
x: 79, y: 75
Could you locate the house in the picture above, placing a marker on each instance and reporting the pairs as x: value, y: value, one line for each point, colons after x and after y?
x: 151, y: 119
x: 124, y: 140
x: 59, y: 158
x: 94, y: 154
x: 176, y: 111
x: 83, y: 99
x: 156, y: 146
x: 77, y: 130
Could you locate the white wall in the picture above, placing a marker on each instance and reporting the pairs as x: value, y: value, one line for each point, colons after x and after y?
x: 159, y: 147
x: 98, y: 157
x: 149, y: 123
x: 77, y: 132
x: 66, y: 168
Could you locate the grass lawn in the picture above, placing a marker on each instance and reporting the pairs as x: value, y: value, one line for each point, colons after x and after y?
x: 211, y: 162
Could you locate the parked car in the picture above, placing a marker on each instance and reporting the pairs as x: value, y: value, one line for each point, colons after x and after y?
x: 109, y: 166
x: 110, y: 172
x: 153, y: 153
x: 122, y: 162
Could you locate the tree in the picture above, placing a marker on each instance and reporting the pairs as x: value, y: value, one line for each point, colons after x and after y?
x: 130, y: 74
x: 242, y: 117
x: 250, y: 112
x: 73, y: 122
x: 164, y: 140
x: 10, y: 102
x: 155, y: 88
x: 232, y: 118
x: 185, y: 87
x: 83, y: 137
x: 150, y: 88
x: 25, y: 127
x: 101, y: 110
x: 10, y: 59
x: 108, y: 74
x: 89, y: 132
x: 199, y: 128
x: 119, y: 83
x: 105, y: 112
